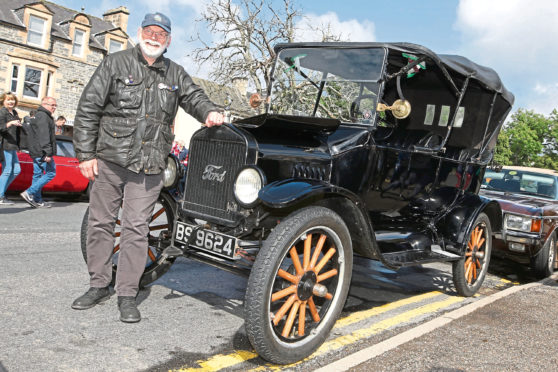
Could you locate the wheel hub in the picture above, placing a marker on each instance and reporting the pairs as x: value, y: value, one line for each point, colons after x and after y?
x: 306, y: 285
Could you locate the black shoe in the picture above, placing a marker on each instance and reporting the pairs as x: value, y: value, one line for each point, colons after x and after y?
x: 129, y: 312
x: 91, y: 298
x: 29, y: 199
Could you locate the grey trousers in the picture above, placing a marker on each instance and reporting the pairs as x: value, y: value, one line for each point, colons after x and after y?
x: 137, y: 193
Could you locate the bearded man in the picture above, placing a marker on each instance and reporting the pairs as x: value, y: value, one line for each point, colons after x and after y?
x: 122, y: 137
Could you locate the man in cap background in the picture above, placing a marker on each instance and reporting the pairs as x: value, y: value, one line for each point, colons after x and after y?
x: 122, y: 137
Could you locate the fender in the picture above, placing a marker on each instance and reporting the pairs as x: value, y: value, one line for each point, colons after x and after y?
x: 290, y: 192
x: 457, y: 223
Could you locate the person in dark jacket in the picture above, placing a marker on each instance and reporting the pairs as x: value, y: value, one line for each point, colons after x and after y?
x: 122, y: 137
x: 41, y: 143
x: 10, y: 132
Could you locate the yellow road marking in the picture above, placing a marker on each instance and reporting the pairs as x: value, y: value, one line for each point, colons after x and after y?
x: 375, y: 328
x: 220, y: 361
x: 364, y: 314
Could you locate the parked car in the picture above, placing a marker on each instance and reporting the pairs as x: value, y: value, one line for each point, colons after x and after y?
x: 68, y: 179
x: 375, y: 149
x: 529, y: 201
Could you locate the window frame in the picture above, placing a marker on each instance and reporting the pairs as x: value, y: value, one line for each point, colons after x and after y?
x: 31, y: 32
x: 39, y: 84
x: 112, y: 42
x: 14, y: 79
x: 81, y: 44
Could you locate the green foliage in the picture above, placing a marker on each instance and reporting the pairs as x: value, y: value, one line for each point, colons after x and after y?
x: 529, y: 139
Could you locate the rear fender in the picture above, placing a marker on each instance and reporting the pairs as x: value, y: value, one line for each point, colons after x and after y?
x: 456, y: 225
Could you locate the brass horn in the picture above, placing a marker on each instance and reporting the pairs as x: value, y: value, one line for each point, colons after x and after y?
x: 401, y: 108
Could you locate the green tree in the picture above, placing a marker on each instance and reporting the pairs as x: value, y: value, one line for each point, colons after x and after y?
x: 529, y: 139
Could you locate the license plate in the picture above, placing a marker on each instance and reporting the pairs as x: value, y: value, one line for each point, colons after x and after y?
x: 211, y: 241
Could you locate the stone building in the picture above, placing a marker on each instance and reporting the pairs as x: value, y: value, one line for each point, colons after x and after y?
x: 50, y: 50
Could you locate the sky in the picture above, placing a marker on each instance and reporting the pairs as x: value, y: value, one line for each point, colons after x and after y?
x: 517, y: 38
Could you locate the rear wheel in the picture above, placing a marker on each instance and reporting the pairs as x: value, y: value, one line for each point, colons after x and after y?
x: 469, y: 272
x: 298, y: 285
x: 544, y: 263
x: 162, y: 222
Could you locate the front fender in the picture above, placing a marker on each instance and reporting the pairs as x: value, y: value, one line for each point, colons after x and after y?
x: 290, y: 192
x: 285, y: 193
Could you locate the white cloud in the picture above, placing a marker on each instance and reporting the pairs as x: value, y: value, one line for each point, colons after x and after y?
x: 351, y: 30
x: 517, y: 38
x: 543, y: 98
x: 170, y: 6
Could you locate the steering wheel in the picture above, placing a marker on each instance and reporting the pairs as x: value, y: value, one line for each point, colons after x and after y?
x: 355, y: 105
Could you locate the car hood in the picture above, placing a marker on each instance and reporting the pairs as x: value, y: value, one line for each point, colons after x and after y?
x: 518, y: 201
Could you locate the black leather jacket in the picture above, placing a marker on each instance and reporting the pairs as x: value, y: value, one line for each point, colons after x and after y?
x: 125, y: 112
x: 41, y: 141
x: 9, y: 137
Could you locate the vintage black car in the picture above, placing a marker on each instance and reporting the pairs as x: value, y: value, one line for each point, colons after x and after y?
x: 529, y: 201
x: 372, y: 149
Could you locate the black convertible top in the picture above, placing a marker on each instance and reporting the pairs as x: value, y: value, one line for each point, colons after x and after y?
x: 457, y: 64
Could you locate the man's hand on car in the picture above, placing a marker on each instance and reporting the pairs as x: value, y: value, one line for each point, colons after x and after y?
x: 214, y: 118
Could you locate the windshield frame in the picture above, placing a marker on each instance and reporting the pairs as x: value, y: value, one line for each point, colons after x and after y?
x: 369, y: 89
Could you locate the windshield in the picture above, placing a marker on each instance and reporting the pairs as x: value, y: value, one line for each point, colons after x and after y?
x: 336, y: 83
x: 524, y: 182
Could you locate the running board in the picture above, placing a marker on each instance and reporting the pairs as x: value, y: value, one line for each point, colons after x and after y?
x: 409, y: 258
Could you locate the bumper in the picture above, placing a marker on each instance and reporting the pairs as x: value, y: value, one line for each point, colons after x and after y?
x: 518, y: 243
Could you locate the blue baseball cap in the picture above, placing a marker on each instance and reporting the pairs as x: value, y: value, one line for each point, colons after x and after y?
x: 157, y: 19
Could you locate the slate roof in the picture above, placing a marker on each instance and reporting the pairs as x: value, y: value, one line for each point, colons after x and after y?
x: 11, y: 13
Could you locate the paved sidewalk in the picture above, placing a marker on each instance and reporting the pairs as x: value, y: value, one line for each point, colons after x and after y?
x: 512, y: 330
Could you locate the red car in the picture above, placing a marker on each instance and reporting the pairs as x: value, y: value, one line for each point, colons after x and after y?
x: 68, y: 179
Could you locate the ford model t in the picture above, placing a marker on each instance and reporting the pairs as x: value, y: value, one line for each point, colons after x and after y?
x: 368, y: 149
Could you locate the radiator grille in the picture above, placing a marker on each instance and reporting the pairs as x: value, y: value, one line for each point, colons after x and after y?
x: 213, y: 163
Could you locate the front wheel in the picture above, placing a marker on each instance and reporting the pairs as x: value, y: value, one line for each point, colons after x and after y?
x: 298, y: 285
x: 161, y: 222
x: 469, y: 272
x: 544, y: 262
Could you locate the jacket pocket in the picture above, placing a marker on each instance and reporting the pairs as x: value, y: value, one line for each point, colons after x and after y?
x: 128, y: 92
x: 168, y: 96
x: 116, y: 139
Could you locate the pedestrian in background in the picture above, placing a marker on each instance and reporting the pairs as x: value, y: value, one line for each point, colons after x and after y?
x: 42, y: 147
x: 10, y: 131
x: 60, y: 122
x: 122, y: 137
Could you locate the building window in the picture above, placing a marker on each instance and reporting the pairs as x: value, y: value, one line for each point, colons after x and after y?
x: 36, y: 31
x: 49, y: 84
x: 77, y: 49
x: 114, y: 46
x: 32, y: 83
x: 15, y: 73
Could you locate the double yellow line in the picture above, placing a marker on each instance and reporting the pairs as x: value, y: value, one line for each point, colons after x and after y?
x: 220, y: 361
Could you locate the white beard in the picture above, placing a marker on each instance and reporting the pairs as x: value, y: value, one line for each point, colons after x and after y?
x: 152, y: 48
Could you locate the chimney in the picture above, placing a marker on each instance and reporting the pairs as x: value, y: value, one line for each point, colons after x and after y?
x: 118, y: 17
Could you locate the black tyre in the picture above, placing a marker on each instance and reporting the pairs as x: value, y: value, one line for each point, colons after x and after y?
x: 544, y: 262
x: 162, y: 220
x: 470, y: 271
x: 298, y: 285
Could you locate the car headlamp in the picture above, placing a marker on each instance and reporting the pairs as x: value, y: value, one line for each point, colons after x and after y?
x: 170, y: 175
x: 521, y: 223
x: 248, y: 183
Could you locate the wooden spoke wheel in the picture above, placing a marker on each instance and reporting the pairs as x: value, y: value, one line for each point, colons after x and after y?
x: 298, y: 285
x: 161, y: 222
x: 469, y: 272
